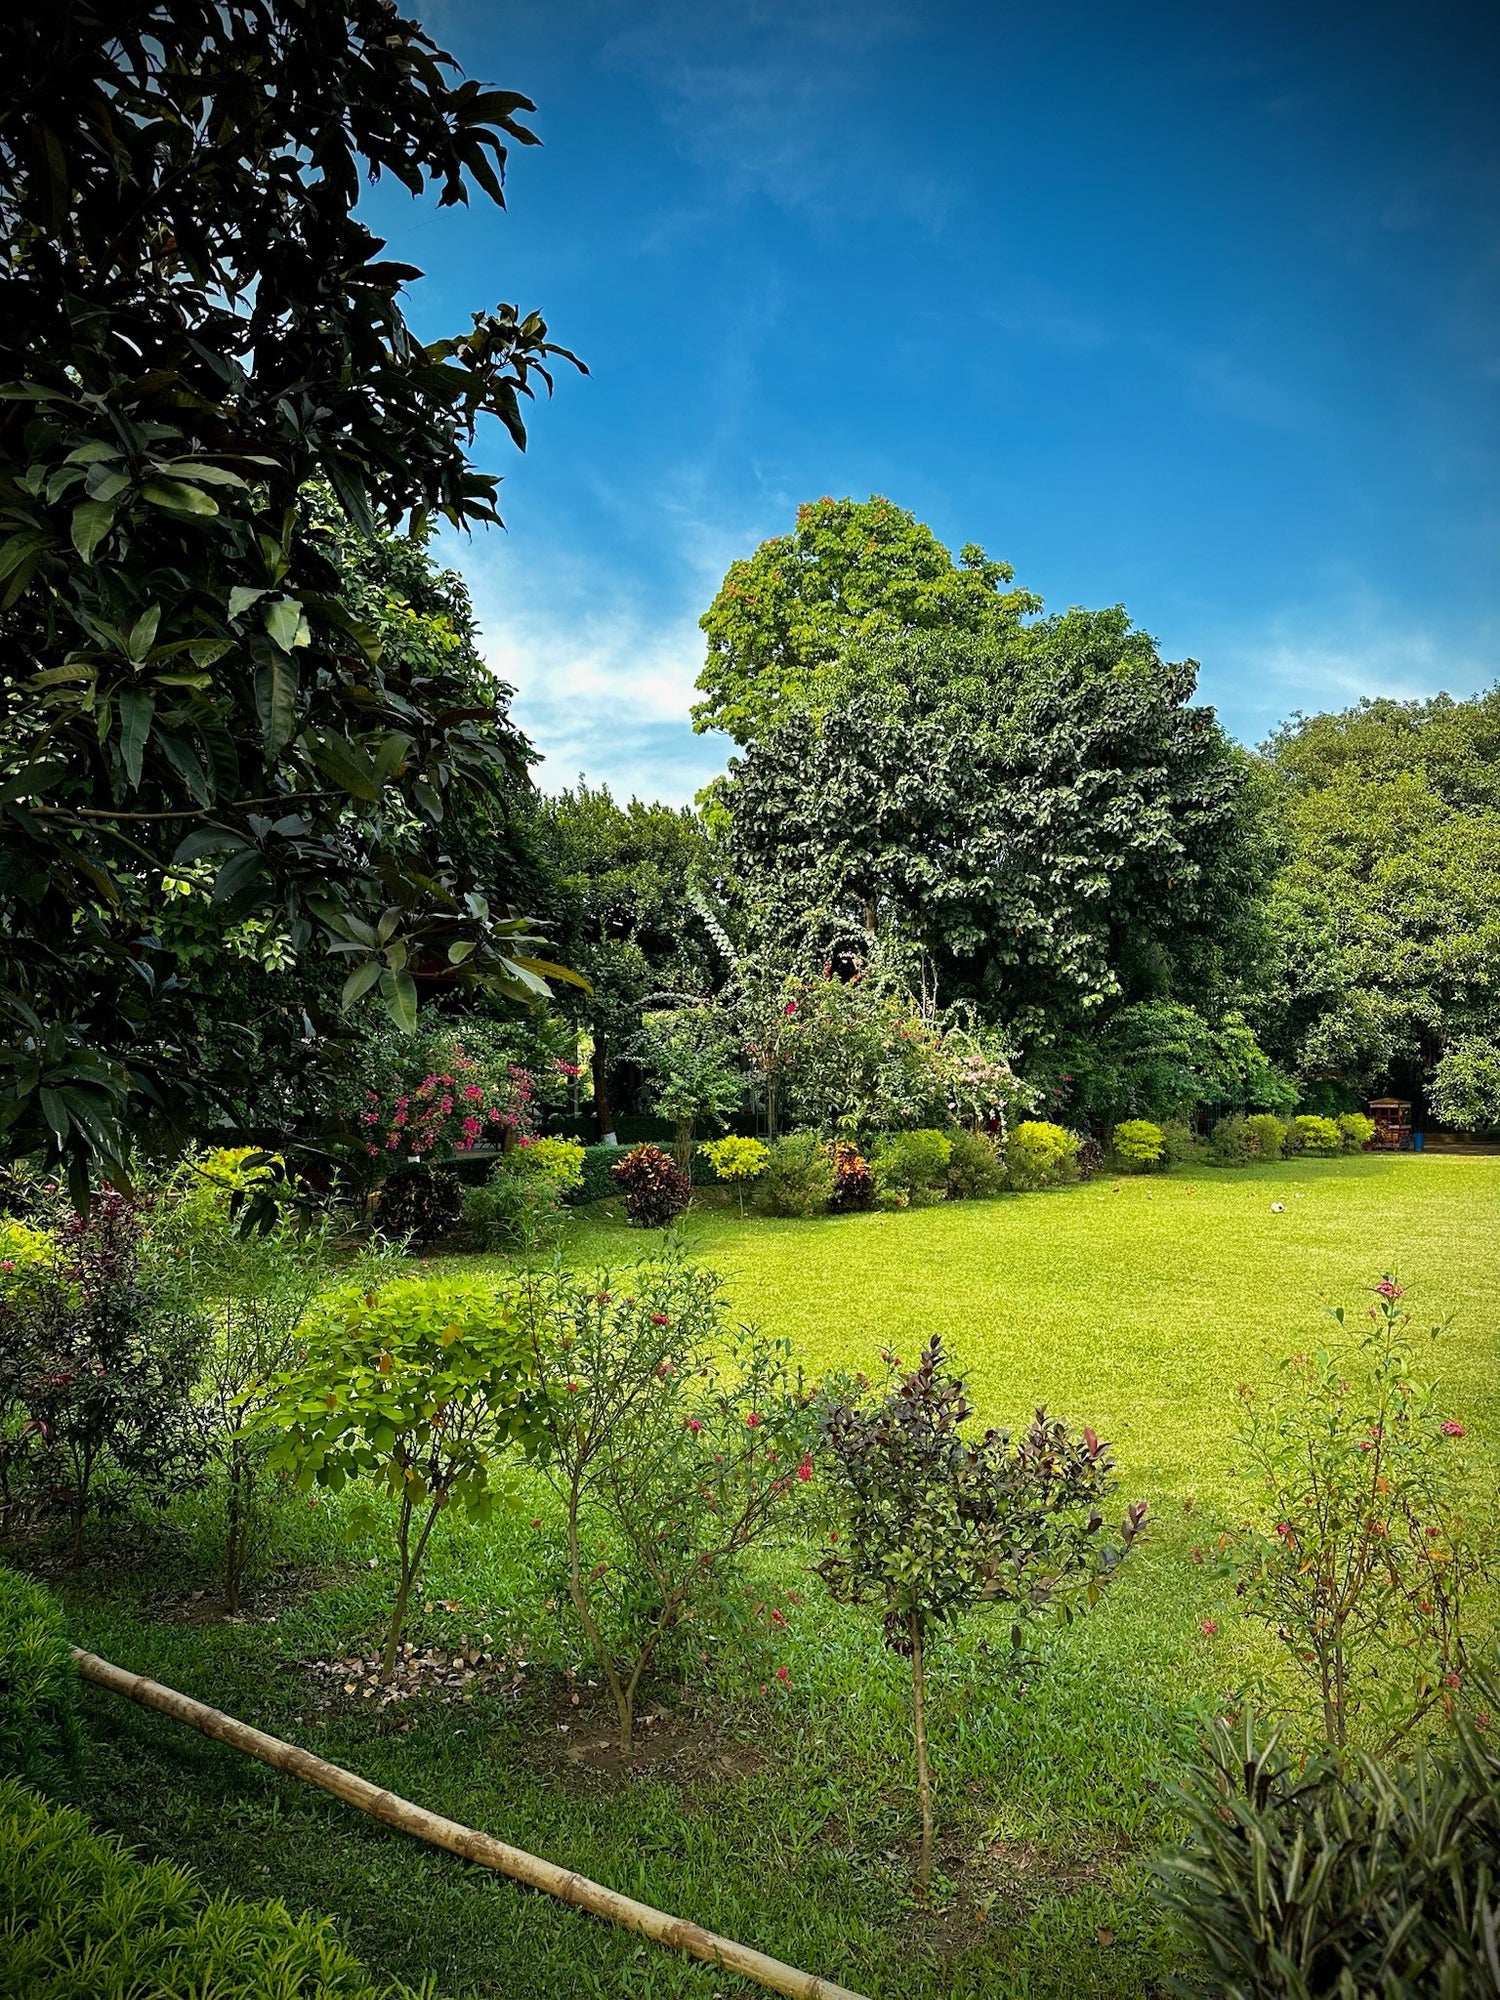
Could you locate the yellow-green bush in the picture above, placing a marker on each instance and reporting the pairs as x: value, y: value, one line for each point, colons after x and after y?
x: 1355, y: 1131
x: 1313, y: 1135
x: 1139, y: 1144
x: 1040, y: 1155
x: 1267, y: 1133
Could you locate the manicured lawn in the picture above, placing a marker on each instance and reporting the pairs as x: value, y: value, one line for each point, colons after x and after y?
x: 785, y: 1814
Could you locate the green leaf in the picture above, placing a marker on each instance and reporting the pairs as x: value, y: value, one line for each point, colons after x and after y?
x: 142, y: 635
x: 348, y: 766
x: 242, y: 597
x: 175, y: 496
x: 276, y: 698
x: 283, y: 622
x: 399, y: 991
x: 55, y: 1111
x: 92, y: 521
x: 137, y: 706
x: 359, y: 982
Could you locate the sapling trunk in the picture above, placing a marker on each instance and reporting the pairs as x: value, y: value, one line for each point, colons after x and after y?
x: 411, y: 1562
x: 919, y: 1732
x: 234, y: 1553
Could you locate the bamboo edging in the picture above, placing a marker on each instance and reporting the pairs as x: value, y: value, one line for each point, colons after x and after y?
x: 461, y: 1840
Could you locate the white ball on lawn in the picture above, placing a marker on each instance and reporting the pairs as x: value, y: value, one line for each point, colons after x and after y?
x: 1278, y: 1208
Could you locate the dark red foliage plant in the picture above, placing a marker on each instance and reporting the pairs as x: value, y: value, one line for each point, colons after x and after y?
x: 655, y: 1188
x: 853, y: 1183
x: 937, y: 1521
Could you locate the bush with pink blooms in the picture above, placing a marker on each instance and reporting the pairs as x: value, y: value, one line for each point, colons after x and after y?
x: 447, y: 1111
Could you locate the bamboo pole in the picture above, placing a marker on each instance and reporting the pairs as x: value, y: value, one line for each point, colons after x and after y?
x: 461, y: 1840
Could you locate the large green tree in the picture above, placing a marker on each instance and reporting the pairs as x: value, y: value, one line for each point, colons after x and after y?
x: 849, y: 569
x: 1386, y: 909
x: 1043, y: 810
x: 194, y: 327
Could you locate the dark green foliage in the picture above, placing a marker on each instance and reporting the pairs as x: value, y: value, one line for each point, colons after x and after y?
x: 423, y: 1204
x: 975, y: 1167
x: 1232, y: 1143
x: 82, y: 1919
x: 1161, y: 1060
x: 195, y: 330
x: 101, y: 1360
x: 1355, y: 1878
x: 799, y: 1179
x: 1044, y: 812
x: 655, y: 1188
x: 39, y: 1738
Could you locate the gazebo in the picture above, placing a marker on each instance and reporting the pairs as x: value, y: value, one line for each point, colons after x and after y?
x: 1392, y: 1117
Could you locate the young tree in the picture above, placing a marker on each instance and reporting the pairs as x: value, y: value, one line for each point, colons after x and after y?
x: 195, y: 326
x: 693, y: 1059
x: 672, y: 1447
x: 420, y: 1388
x: 936, y: 1522
x: 1375, y: 1544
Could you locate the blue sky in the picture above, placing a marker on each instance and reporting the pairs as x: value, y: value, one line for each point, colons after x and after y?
x: 1191, y: 308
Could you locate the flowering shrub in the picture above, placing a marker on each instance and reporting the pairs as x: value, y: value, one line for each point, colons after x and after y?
x: 1373, y: 1539
x: 1040, y: 1155
x: 655, y: 1188
x: 451, y: 1110
x: 1356, y: 1130
x: 798, y: 1179
x: 736, y: 1160
x: 937, y: 1522
x: 975, y: 1168
x: 853, y: 1183
x: 673, y: 1445
x: 910, y: 1168
x: 1139, y: 1145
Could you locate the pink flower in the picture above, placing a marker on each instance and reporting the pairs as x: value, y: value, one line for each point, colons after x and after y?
x: 1208, y: 1628
x: 804, y: 1470
x: 753, y: 1419
x: 472, y: 1128
x: 660, y: 1319
x: 784, y: 1675
x: 1389, y: 1290
x: 790, y: 1007
x: 1453, y: 1430
x: 694, y: 1425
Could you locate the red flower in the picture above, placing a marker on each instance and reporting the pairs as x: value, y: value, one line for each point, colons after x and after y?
x: 784, y: 1675
x: 660, y: 1319
x: 1208, y: 1628
x: 1453, y: 1430
x: 804, y: 1470
x: 753, y: 1419
x: 694, y: 1425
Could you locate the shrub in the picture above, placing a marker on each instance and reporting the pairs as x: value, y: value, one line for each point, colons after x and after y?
x: 559, y: 1161
x: 420, y: 1388
x: 1233, y: 1143
x: 39, y: 1737
x: 1355, y: 1131
x: 672, y: 1445
x: 28, y: 1257
x: 1088, y: 1160
x: 655, y: 1188
x: 1180, y: 1143
x: 1039, y: 1155
x: 421, y: 1204
x: 853, y: 1183
x: 521, y: 1205
x: 736, y: 1160
x: 82, y: 1916
x: 936, y: 1523
x: 975, y: 1169
x: 910, y: 1167
x: 1338, y: 1876
x: 1370, y: 1551
x: 799, y: 1177
x: 1139, y: 1145
x: 1310, y: 1134
x: 101, y: 1362
x: 1268, y: 1133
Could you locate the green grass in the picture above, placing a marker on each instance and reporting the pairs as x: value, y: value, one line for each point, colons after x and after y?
x: 1137, y: 1305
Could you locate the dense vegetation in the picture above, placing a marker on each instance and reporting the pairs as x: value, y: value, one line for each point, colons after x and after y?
x: 857, y: 1193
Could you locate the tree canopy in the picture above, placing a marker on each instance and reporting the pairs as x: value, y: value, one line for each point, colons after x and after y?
x: 1045, y: 812
x: 1386, y: 910
x: 194, y: 327
x: 850, y: 569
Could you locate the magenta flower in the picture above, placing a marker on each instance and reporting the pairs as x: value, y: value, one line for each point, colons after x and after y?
x: 1453, y: 1430
x: 753, y: 1419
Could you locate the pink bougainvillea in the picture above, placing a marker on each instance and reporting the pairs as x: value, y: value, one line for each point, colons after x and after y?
x: 449, y: 1111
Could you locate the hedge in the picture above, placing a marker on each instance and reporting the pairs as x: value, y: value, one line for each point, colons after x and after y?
x: 39, y: 1735
x: 82, y: 1919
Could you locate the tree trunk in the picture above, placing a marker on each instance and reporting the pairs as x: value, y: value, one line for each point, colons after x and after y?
x: 683, y: 1149
x: 234, y: 1553
x: 924, y: 1776
x: 602, y: 1110
x: 403, y: 1590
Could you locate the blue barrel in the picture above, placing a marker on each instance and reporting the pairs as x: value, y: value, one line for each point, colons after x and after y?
x: 1417, y: 1139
